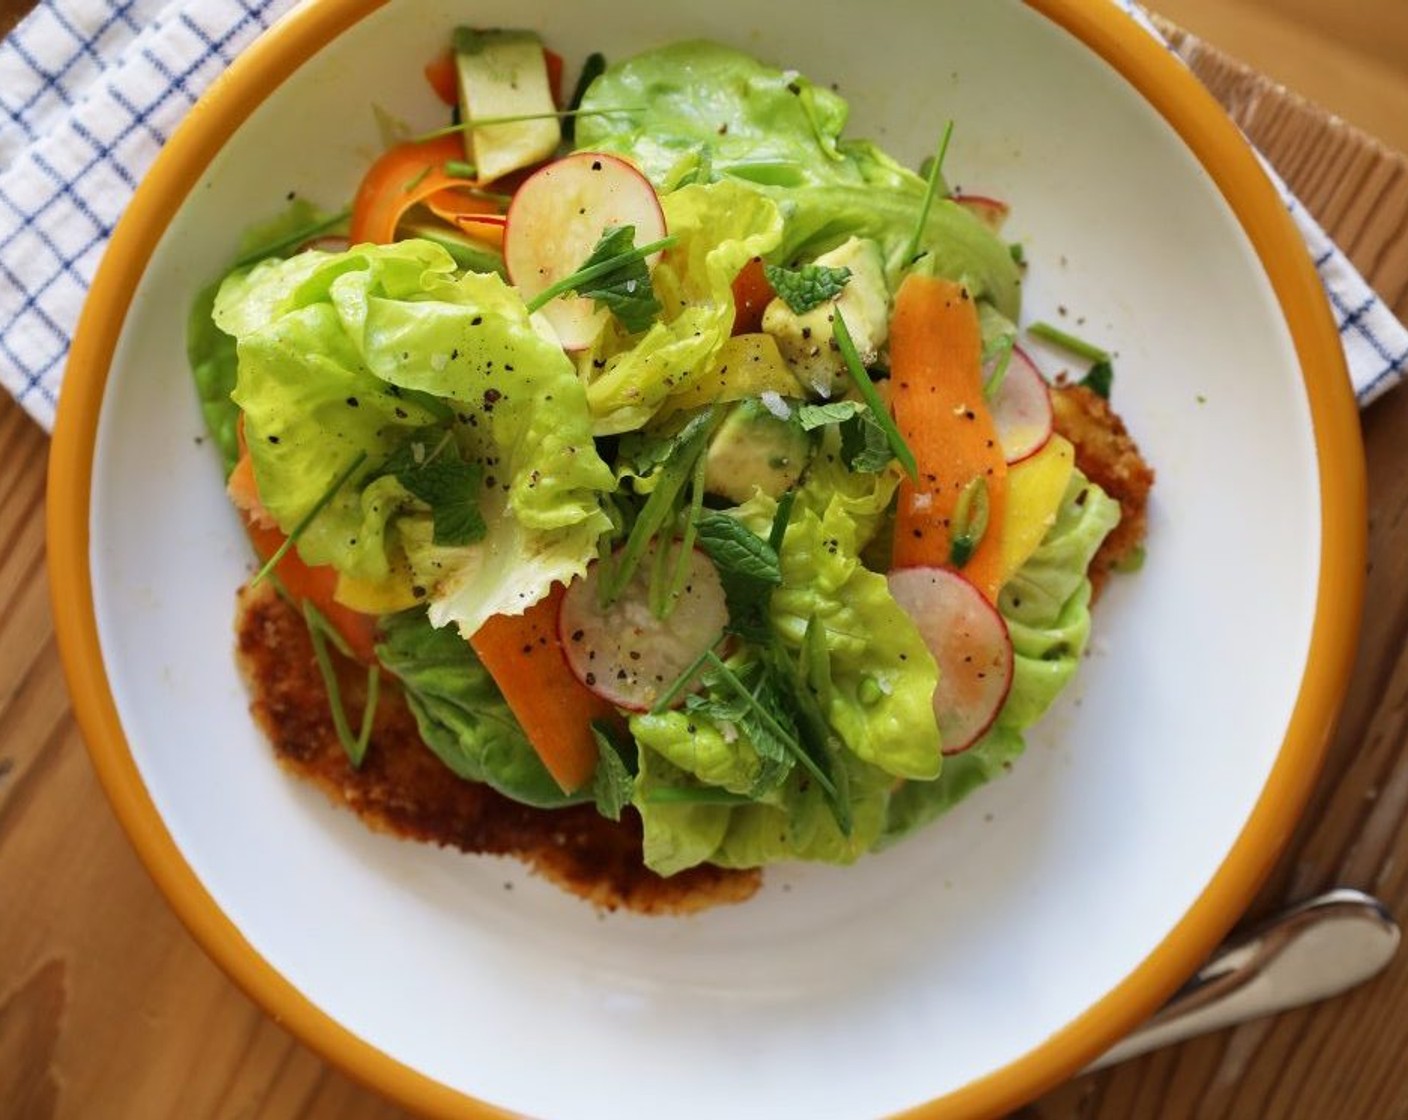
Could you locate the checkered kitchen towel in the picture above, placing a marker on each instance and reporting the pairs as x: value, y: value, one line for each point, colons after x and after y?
x: 89, y: 92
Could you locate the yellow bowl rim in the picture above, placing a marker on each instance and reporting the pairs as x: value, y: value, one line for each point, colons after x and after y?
x: 1183, y: 102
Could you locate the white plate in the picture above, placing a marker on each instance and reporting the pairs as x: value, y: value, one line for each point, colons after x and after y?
x: 835, y: 992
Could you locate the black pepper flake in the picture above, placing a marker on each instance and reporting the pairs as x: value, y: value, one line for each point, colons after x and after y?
x: 578, y: 635
x: 418, y: 591
x: 590, y: 679
x: 476, y: 321
x: 596, y: 165
x: 353, y: 402
x: 273, y: 439
x: 401, y: 413
x: 528, y: 648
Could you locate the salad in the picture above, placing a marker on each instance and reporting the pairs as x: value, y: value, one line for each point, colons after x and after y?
x: 670, y: 454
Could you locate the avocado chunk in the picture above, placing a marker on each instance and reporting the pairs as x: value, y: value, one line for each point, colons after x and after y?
x: 806, y: 340
x: 505, y: 74
x: 755, y: 451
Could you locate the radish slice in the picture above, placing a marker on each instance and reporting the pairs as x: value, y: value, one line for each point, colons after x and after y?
x: 624, y: 653
x: 1021, y: 411
x: 989, y: 211
x: 555, y: 221
x: 969, y: 640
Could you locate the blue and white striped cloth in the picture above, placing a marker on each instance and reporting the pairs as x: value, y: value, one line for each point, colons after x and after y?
x: 90, y: 91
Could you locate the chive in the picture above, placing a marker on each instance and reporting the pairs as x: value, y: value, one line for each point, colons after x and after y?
x: 459, y: 169
x: 601, y: 268
x: 660, y: 506
x: 930, y: 188
x: 969, y: 521
x: 679, y: 684
x: 319, y: 631
x: 783, y: 735
x: 1077, y: 346
x: 660, y: 572
x: 871, y: 397
x: 307, y: 519
x: 297, y: 237
x: 691, y: 531
x: 484, y: 122
x: 780, y: 520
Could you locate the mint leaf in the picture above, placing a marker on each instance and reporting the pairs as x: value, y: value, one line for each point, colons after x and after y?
x: 748, y: 569
x: 614, y: 781
x: 737, y: 551
x: 812, y: 416
x: 616, y: 276
x: 807, y: 287
x: 865, y: 445
x: 448, y: 485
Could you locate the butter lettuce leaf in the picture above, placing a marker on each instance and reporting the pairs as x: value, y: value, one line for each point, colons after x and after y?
x: 1047, y: 608
x: 719, y: 228
x: 363, y: 352
x: 780, y: 135
x: 461, y: 714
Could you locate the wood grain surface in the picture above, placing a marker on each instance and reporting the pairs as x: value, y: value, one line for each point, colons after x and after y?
x: 108, y: 1009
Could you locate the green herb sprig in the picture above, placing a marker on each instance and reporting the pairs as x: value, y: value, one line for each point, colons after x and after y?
x: 321, y: 631
x: 448, y: 485
x: 866, y: 387
x: 616, y: 276
x: 1099, y: 378
x: 808, y: 287
x: 517, y: 118
x: 931, y: 187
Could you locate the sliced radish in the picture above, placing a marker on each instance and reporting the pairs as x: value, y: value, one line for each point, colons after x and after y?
x: 555, y: 221
x: 989, y: 211
x: 1021, y: 411
x: 969, y: 640
x: 626, y: 654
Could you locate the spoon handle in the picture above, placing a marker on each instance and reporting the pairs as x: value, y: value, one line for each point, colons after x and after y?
x: 1314, y: 950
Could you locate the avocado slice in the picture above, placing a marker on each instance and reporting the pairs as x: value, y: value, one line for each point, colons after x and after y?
x: 753, y: 451
x: 505, y: 74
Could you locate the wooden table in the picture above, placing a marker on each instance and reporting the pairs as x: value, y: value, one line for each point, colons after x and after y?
x: 109, y: 1009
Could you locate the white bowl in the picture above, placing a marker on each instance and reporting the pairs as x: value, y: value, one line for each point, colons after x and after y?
x: 975, y: 964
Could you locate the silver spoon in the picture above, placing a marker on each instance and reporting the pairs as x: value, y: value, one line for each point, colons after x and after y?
x: 1310, y: 952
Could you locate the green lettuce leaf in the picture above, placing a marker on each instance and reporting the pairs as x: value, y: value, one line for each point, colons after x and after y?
x: 719, y: 228
x: 462, y: 716
x: 367, y: 350
x: 780, y: 135
x: 1047, y: 608
x: 211, y: 352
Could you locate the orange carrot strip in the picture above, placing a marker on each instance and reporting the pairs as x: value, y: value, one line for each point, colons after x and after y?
x: 524, y: 656
x: 936, y: 381
x: 403, y: 176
